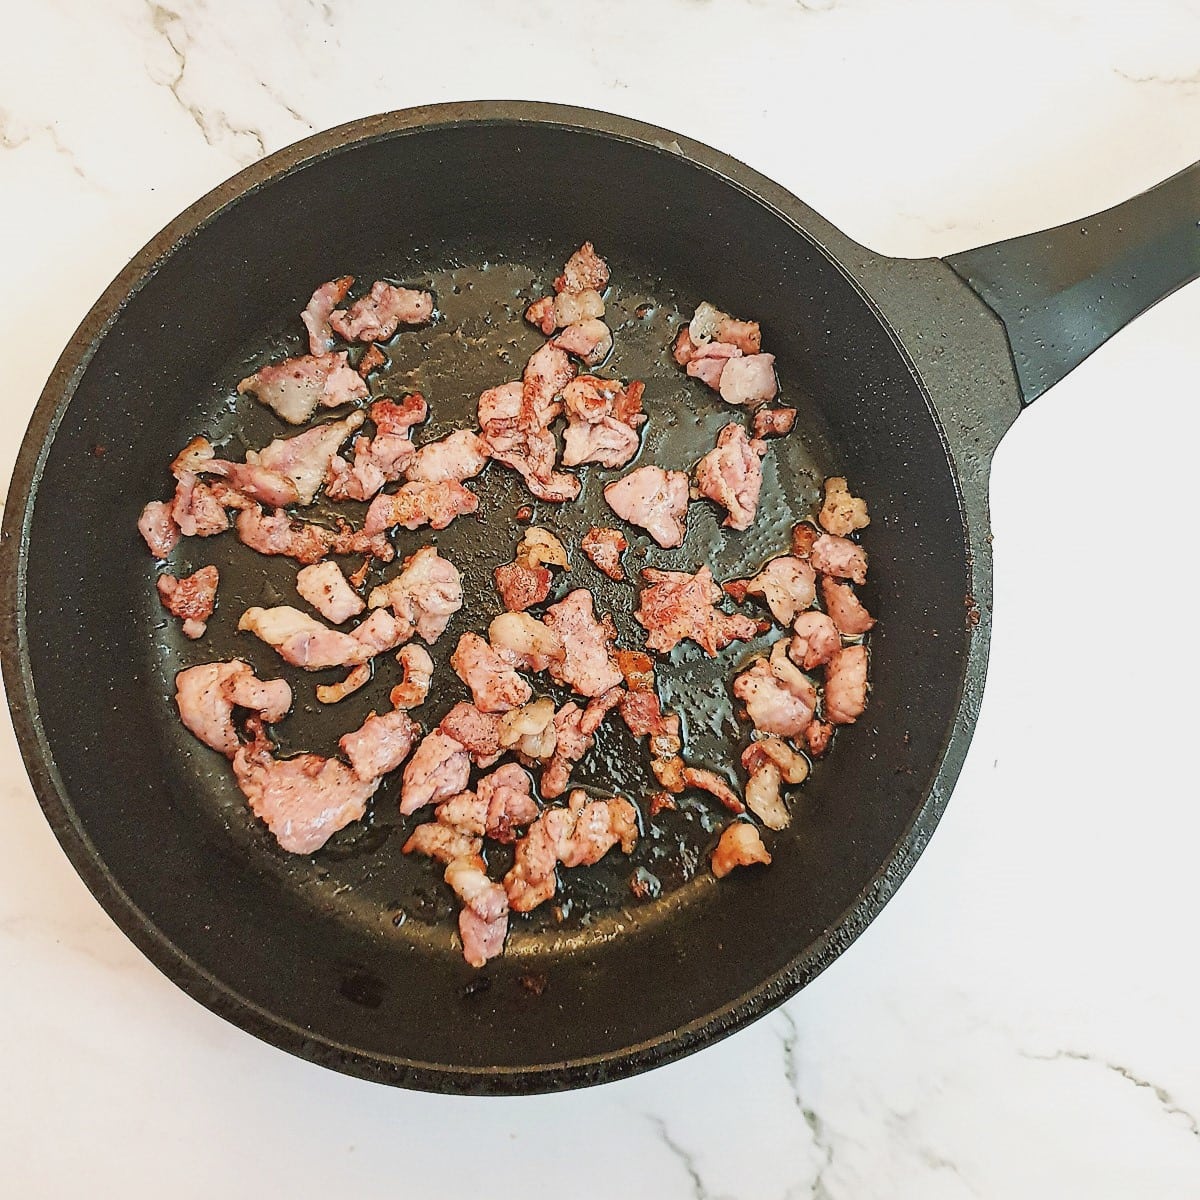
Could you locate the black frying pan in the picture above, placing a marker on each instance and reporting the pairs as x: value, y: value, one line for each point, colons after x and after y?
x: 906, y: 373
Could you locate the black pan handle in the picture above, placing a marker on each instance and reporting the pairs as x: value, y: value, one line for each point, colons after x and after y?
x: 1064, y: 292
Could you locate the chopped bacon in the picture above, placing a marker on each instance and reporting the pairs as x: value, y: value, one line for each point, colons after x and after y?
x: 324, y: 586
x: 382, y: 458
x: 280, y: 534
x: 483, y: 921
x: 846, y: 685
x: 501, y: 403
x: 707, y: 363
x: 749, y: 380
x: 305, y: 642
x: 442, y: 842
x: 840, y: 557
x: 530, y: 731
x: 196, y: 509
x: 745, y: 335
x: 602, y: 420
x: 316, y: 314
x: 842, y: 513
x: 740, y: 846
x: 662, y: 802
x: 731, y: 475
x: 589, y: 341
x: 770, y: 762
x: 425, y: 595
x: 845, y: 608
x: 638, y: 670
x: 804, y: 537
x: 303, y: 460
x: 654, y: 499
x: 206, y: 696
x: 711, y: 782
x: 158, y: 529
x: 396, y: 418
x: 587, y: 667
x: 541, y: 314
x: 817, y: 737
x: 676, y: 605
x: 571, y: 743
x: 683, y: 348
x: 376, y: 316
x: 292, y: 389
x: 303, y: 800
x: 547, y: 372
x: 380, y: 744
x: 417, y: 504
x: 585, y: 270
x: 815, y: 640
x: 525, y: 642
x: 360, y: 480
x: 414, y: 660
x: 779, y: 697
x: 570, y: 308
x: 643, y: 714
x: 501, y: 803
x: 252, y: 479
x: 359, y: 541
x: 521, y: 586
x: 373, y: 358
x: 439, y: 767
x: 495, y: 686
x: 191, y: 599
x: 559, y: 488
x: 458, y: 456
x: 478, y: 732
x: 774, y: 422
x: 791, y: 764
x: 604, y: 547
x: 334, y: 693
x: 787, y: 584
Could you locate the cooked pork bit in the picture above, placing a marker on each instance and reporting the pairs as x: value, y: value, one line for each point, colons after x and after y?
x: 749, y: 380
x: 158, y: 528
x: 559, y: 488
x: 334, y: 693
x: 846, y: 686
x: 589, y: 341
x: 791, y: 764
x: 439, y: 767
x: 599, y: 707
x: 324, y: 586
x: 478, y: 732
x: 587, y: 667
x: 845, y: 608
x: 360, y: 480
x: 787, y: 584
x: 529, y: 449
x: 571, y: 308
x: 395, y: 418
x: 815, y: 640
x: 501, y: 803
x: 745, y: 335
x: 304, y: 459
x: 444, y: 843
x: 376, y: 316
x: 292, y: 389
x: 683, y: 349
x: 644, y: 716
x: 604, y: 547
x: 303, y: 800
x: 253, y: 481
x: 538, y: 546
x: 541, y: 314
x: 571, y: 743
x: 417, y: 504
x: 529, y: 731
x: 740, y: 846
x: 206, y: 696
x: 585, y: 271
x: 380, y: 632
x: 501, y: 403
x: 359, y: 576
x: 662, y: 802
x: 599, y: 826
x: 525, y: 581
x: 708, y: 362
x: 373, y: 358
x: 380, y: 744
x: 774, y: 422
x: 547, y: 372
x: 711, y: 782
x: 414, y: 660
x: 676, y: 605
x: 817, y: 737
x: 316, y: 315
x: 779, y: 697
x: 194, y: 457
x: 602, y: 417
x: 840, y: 557
x: 525, y: 642
x: 842, y: 513
x: 638, y: 670
x: 425, y: 595
x: 358, y: 541
x: 191, y: 599
x: 770, y: 762
x: 495, y: 686
x: 804, y: 537
x: 483, y: 922
x: 280, y: 534
x: 305, y: 642
x: 654, y: 499
x: 196, y: 509
x: 705, y: 322
x: 731, y: 475
x: 458, y: 456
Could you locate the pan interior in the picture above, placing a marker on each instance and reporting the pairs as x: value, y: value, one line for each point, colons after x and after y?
x: 355, y: 945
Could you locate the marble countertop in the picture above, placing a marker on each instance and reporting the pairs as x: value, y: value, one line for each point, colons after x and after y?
x: 1021, y: 1020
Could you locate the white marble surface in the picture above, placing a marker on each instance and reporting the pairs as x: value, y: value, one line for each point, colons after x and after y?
x: 1021, y: 1020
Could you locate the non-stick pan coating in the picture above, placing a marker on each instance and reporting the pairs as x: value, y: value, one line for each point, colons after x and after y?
x: 350, y: 956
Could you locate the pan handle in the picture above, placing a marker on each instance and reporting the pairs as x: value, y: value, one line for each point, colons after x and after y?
x: 1063, y: 292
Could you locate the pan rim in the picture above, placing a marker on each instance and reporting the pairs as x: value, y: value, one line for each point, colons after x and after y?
x: 38, y: 756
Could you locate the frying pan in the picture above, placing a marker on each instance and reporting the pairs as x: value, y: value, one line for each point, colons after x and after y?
x: 906, y: 373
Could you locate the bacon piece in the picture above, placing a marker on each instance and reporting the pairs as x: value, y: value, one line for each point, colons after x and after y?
x: 571, y: 308
x: 745, y: 335
x: 303, y: 459
x: 589, y: 341
x: 478, y: 732
x: 842, y: 513
x: 749, y: 380
x: 521, y: 586
x: 804, y: 537
x: 358, y: 481
x: 358, y: 541
x: 779, y: 697
x: 740, y: 846
x: 376, y: 316
x: 840, y: 557
x: 846, y: 685
x: 439, y: 767
x: 196, y: 509
x: 638, y: 670
x: 501, y: 803
x: 774, y: 422
x: 333, y: 693
x: 252, y: 480
x: 599, y: 826
x: 458, y: 456
x: 444, y: 843
x: 316, y: 314
x: 654, y: 499
x: 707, y: 363
x: 731, y: 475
x: 602, y: 420
x: 770, y: 762
x: 683, y: 348
x: 483, y: 921
x: 414, y: 660
x: 380, y: 744
x: 541, y: 314
x: 373, y: 358
x: 587, y: 667
x: 158, y: 529
x: 787, y: 584
x: 324, y: 586
x: 817, y: 737
x: 571, y: 743
x: 676, y: 605
x: 304, y: 642
x: 425, y: 595
x: 815, y: 640
x: 280, y: 534
x: 417, y: 504
x: 845, y: 608
x: 791, y: 764
x: 711, y: 782
x: 547, y: 372
x: 382, y: 458
x: 206, y: 696
x: 530, y: 731
x: 191, y: 599
x: 292, y: 389
x: 501, y: 403
x: 585, y: 270
x: 526, y: 643
x: 495, y: 686
x: 303, y: 800
x: 604, y: 547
